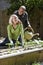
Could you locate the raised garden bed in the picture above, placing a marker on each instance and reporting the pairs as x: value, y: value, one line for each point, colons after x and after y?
x: 22, y: 56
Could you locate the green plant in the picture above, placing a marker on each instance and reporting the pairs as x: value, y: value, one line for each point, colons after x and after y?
x: 36, y: 64
x: 30, y: 4
x: 9, y: 45
x: 17, y: 43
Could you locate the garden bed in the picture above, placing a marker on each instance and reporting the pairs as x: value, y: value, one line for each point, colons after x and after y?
x: 21, y: 57
x: 31, y: 52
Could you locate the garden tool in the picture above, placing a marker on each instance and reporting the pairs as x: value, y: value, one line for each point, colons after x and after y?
x: 29, y: 35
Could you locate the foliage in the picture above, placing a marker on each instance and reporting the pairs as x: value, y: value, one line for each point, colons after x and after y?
x: 36, y: 64
x: 30, y: 4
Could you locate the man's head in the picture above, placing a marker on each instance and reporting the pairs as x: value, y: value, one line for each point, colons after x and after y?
x: 21, y: 10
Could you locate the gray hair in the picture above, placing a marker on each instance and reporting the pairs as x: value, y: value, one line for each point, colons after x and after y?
x: 10, y: 19
x: 23, y: 7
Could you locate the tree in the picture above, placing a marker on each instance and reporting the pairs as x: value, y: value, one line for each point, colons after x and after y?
x: 30, y: 4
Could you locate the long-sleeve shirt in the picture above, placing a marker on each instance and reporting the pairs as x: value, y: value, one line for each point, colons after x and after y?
x: 14, y: 33
x: 23, y: 18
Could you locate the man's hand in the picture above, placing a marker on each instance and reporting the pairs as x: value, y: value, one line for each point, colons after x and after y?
x: 32, y: 29
x: 29, y: 28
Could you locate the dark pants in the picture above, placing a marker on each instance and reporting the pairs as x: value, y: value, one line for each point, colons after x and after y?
x: 7, y: 41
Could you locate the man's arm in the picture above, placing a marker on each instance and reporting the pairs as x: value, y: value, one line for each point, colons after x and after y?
x: 29, y: 26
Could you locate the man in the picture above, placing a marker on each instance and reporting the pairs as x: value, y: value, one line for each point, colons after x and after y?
x: 23, y: 16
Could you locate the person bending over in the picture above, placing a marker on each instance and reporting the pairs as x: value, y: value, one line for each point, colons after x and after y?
x: 23, y: 16
x: 15, y: 31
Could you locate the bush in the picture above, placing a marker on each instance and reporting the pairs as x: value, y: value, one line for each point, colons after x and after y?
x: 30, y: 4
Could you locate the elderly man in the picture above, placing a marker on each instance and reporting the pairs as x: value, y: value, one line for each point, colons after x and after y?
x: 23, y: 16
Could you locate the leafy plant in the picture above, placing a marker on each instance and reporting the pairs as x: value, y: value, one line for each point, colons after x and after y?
x: 17, y: 43
x: 36, y: 64
x: 30, y: 4
x: 9, y: 45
